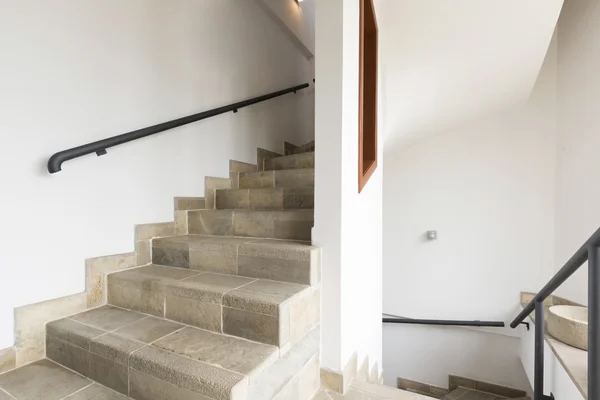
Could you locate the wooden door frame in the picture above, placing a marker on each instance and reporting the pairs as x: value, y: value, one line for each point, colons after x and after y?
x: 367, y: 98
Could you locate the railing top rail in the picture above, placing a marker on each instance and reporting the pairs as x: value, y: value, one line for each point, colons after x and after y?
x: 571, y: 266
x: 99, y: 147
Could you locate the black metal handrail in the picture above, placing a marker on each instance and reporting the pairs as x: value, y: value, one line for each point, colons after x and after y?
x: 590, y: 252
x: 99, y: 147
x: 393, y: 319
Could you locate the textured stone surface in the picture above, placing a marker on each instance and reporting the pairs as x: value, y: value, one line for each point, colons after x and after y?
x: 97, y: 268
x: 287, y: 224
x: 569, y: 324
x: 109, y: 373
x: 291, y: 178
x: 30, y: 324
x: 215, y: 254
x: 197, y: 301
x: 146, y: 387
x: 262, y: 155
x: 211, y: 222
x: 96, y: 392
x: 204, y: 315
x: 295, y: 161
x: 262, y: 296
x: 149, y: 231
x: 143, y: 252
x: 207, y: 287
x: 238, y: 166
x: 8, y: 359
x: 454, y: 382
x: 186, y: 373
x: 5, y: 396
x: 228, y: 352
x: 115, y: 347
x: 253, y: 326
x: 305, y: 148
x: 421, y: 388
x: 41, y: 380
x: 73, y: 332
x: 143, y: 289
x: 265, y: 198
x: 108, y: 318
x: 172, y: 257
x: 189, y: 203
x: 69, y: 355
x: 149, y: 329
x: 288, y: 368
x: 281, y: 260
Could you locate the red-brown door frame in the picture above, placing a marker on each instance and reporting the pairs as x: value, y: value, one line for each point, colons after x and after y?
x: 367, y: 102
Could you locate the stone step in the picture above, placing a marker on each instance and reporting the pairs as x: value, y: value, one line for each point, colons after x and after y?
x: 151, y: 358
x: 265, y: 199
x: 286, y: 224
x: 294, y: 161
x: 296, y: 375
x: 271, y: 312
x: 280, y: 178
x: 305, y: 148
x: 278, y: 260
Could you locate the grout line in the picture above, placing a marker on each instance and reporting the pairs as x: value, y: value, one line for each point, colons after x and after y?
x: 77, y: 391
x: 69, y: 369
x: 9, y: 395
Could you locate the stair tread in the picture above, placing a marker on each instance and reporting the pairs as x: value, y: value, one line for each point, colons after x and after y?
x: 273, y: 259
x: 208, y: 363
x: 250, y: 294
x: 294, y: 224
x: 292, y: 161
x: 198, y: 240
x: 292, y: 178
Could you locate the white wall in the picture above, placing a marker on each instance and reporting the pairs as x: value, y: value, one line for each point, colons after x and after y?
x: 297, y: 21
x: 487, y: 187
x: 73, y: 72
x: 577, y: 191
x: 451, y: 61
x: 451, y: 350
x: 347, y: 224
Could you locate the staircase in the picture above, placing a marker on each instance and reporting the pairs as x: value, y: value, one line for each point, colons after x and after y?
x: 228, y: 310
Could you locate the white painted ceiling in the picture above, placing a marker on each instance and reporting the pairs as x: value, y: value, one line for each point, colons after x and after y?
x: 443, y: 62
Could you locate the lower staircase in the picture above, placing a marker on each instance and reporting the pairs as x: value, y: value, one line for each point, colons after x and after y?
x: 228, y: 309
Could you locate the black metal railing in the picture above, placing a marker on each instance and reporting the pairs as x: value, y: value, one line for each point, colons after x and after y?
x: 99, y: 147
x: 589, y: 252
x: 393, y: 319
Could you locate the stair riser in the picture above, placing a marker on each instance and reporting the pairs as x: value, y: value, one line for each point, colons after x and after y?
x: 296, y: 161
x: 293, y: 224
x: 248, y: 259
x: 265, y: 199
x: 305, y: 148
x: 277, y: 179
x: 281, y: 327
x: 119, y: 370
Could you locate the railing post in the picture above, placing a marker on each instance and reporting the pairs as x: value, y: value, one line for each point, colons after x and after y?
x: 593, y: 323
x: 538, y: 377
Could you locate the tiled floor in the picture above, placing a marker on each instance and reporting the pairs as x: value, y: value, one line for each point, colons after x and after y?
x: 45, y: 380
x: 367, y: 391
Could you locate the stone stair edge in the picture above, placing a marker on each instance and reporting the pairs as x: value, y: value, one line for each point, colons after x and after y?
x: 73, y: 338
x: 246, y: 240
